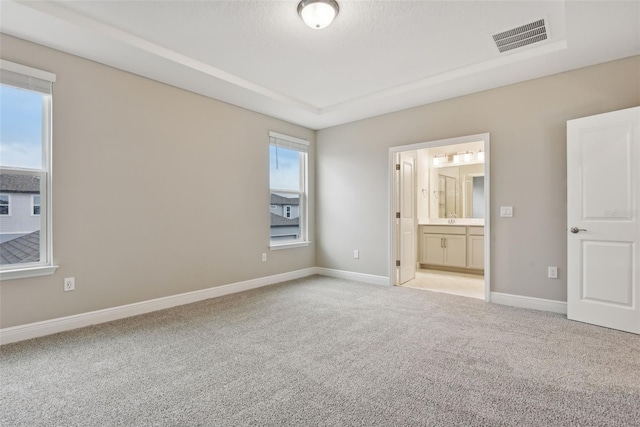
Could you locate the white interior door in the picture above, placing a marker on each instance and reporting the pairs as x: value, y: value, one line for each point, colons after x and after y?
x: 603, y: 188
x: 408, y: 228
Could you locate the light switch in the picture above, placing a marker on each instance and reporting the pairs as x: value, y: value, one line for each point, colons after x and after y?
x: 506, y: 211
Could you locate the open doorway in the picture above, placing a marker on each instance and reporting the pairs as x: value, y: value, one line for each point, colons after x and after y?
x: 439, y: 219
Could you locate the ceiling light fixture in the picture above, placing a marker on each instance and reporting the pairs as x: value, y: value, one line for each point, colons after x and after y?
x: 318, y: 14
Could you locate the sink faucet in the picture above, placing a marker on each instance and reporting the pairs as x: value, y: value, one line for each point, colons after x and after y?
x: 452, y: 218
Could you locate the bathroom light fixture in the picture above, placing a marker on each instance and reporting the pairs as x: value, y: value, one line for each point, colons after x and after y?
x: 318, y: 14
x: 439, y: 159
x: 459, y: 158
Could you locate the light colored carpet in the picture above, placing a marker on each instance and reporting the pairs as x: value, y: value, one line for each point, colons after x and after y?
x: 466, y: 285
x: 330, y: 352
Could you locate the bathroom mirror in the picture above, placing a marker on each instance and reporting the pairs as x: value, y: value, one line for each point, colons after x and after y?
x: 459, y: 191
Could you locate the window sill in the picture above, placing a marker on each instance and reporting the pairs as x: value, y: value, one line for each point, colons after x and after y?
x: 23, y: 273
x: 277, y: 247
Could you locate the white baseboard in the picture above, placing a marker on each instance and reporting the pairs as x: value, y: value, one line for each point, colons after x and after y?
x: 61, y: 324
x: 529, y: 302
x: 350, y: 275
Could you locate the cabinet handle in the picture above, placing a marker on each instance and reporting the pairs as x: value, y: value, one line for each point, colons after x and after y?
x: 441, y: 242
x: 445, y: 242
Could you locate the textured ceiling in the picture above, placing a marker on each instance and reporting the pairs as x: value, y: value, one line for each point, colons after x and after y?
x: 377, y: 57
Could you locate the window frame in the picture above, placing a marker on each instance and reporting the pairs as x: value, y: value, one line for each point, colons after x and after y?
x: 302, y: 146
x: 8, y: 204
x: 27, y: 78
x: 33, y: 204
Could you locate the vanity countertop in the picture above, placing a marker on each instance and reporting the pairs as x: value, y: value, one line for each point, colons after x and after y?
x: 458, y: 221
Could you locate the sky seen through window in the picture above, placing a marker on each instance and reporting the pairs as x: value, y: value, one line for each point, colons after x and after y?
x: 20, y: 128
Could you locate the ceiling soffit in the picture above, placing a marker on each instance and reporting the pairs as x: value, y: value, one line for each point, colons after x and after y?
x: 375, y: 58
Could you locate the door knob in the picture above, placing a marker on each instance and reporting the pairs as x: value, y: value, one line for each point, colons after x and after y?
x: 575, y: 230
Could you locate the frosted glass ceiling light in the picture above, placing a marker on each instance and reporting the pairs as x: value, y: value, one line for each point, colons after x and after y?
x: 468, y: 156
x: 318, y: 14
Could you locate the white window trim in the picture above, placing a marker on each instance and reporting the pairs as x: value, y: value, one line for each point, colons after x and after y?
x: 26, y: 272
x: 289, y: 138
x: 273, y: 207
x: 45, y: 266
x: 27, y: 71
x: 8, y: 204
x: 302, y: 196
x: 292, y: 244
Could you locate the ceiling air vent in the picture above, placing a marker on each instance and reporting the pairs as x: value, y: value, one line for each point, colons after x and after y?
x: 521, y: 36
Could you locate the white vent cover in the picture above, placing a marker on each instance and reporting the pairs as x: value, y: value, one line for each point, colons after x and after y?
x: 521, y: 36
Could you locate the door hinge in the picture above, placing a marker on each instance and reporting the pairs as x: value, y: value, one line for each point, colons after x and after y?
x: 397, y: 214
x: 397, y: 166
x: 397, y: 263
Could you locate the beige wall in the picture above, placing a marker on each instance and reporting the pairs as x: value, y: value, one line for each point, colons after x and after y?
x: 527, y: 123
x: 157, y: 191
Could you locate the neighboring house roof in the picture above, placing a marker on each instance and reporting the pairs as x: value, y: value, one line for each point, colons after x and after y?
x: 22, y: 249
x: 280, y: 200
x: 10, y: 183
x: 279, y: 221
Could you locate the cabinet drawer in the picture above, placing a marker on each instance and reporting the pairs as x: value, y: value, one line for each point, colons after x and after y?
x: 444, y: 229
x: 476, y: 231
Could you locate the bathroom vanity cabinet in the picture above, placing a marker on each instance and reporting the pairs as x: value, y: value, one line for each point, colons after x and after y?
x: 456, y: 246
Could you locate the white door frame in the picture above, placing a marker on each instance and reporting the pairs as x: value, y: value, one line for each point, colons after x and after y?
x: 391, y: 219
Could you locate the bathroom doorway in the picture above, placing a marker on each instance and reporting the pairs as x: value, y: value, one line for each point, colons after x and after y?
x: 449, y: 243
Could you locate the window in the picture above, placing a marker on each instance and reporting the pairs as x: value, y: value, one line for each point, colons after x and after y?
x: 35, y: 205
x: 5, y: 204
x: 25, y: 171
x: 288, y: 184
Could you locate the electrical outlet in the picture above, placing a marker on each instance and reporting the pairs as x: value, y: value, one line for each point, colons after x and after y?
x: 69, y: 284
x: 264, y: 257
x: 356, y: 254
x: 552, y: 272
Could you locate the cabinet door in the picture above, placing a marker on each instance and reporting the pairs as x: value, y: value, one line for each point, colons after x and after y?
x: 475, y: 252
x: 432, y: 251
x: 455, y: 250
